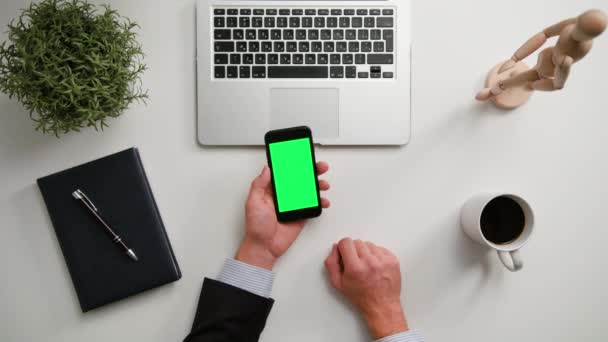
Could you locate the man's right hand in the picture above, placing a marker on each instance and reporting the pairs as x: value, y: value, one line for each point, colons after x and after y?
x: 370, y: 278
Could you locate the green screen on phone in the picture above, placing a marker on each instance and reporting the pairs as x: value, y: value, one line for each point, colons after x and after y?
x: 294, y: 174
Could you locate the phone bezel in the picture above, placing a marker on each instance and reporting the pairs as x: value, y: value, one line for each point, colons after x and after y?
x: 287, y: 134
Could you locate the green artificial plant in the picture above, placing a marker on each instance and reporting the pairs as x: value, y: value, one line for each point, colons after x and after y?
x: 72, y: 64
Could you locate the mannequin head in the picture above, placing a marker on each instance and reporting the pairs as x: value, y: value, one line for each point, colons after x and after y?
x: 590, y: 25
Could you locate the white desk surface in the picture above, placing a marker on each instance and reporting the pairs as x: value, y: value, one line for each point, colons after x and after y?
x: 552, y: 151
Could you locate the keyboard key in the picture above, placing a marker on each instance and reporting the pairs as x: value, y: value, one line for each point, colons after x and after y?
x: 259, y: 72
x: 273, y: 58
x: 334, y: 58
x: 316, y: 46
x: 300, y: 34
x: 266, y: 46
x: 357, y: 22
x: 389, y: 40
x: 323, y: 12
x: 288, y: 34
x: 294, y: 22
x: 376, y: 75
x: 325, y: 34
x: 223, y: 46
x: 221, y: 58
x: 245, y: 11
x: 284, y: 11
x: 220, y: 72
x: 319, y: 22
x: 271, y: 12
x: 232, y: 22
x: 297, y: 12
x: 363, y: 34
x: 375, y: 69
x: 269, y: 22
x: 353, y: 47
x: 307, y: 22
x: 247, y: 58
x: 245, y: 71
x: 341, y: 47
x: 250, y: 34
x: 374, y: 12
x: 347, y: 59
x: 235, y: 58
x: 243, y: 21
x: 304, y: 47
x: 297, y: 72
x: 310, y: 12
x: 328, y: 47
x: 387, y: 11
x: 366, y: 46
x: 221, y: 34
x: 351, y: 72
x: 385, y: 22
x: 322, y: 59
x: 310, y: 58
x: 285, y: 58
x: 263, y: 34
x: 219, y: 22
x: 332, y: 22
x: 232, y: 72
x: 336, y: 72
x: 351, y: 34
x: 360, y: 58
x: 258, y: 11
x: 238, y: 34
x: 378, y: 46
x: 338, y: 34
x: 313, y: 34
x: 219, y: 11
x: 344, y: 22
x: 361, y: 12
x: 275, y: 34
x: 257, y: 22
x: 385, y: 58
x: 349, y: 12
x: 370, y: 21
x: 241, y: 46
x: 363, y: 75
x: 387, y: 74
x: 336, y: 12
x: 298, y: 59
x: 292, y: 47
x: 233, y: 11
x: 375, y: 34
x: 254, y: 46
x: 282, y: 22
x: 279, y: 46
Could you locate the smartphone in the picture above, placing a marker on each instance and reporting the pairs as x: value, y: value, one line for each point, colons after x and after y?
x: 291, y: 158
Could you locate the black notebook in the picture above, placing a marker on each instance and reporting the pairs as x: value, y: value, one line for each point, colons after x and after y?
x: 101, y: 271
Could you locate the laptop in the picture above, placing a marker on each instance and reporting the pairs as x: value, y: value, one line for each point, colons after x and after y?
x: 341, y: 68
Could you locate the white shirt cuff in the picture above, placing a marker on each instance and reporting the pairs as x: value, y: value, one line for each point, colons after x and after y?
x: 247, y: 277
x: 408, y: 336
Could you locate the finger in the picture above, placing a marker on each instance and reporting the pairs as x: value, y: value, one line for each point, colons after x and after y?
x: 363, y: 251
x: 348, y: 251
x: 324, y: 185
x: 332, y: 264
x: 325, y: 203
x: 374, y: 249
x: 322, y: 167
x: 260, y: 184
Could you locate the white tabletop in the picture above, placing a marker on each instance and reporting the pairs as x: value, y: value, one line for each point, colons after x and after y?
x: 552, y: 151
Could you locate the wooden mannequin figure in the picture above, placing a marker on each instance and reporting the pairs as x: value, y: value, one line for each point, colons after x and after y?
x: 511, y: 83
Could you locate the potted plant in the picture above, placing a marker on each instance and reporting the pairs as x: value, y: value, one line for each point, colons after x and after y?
x: 72, y: 64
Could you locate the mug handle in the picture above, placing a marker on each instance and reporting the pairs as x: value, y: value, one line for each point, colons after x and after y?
x: 511, y: 260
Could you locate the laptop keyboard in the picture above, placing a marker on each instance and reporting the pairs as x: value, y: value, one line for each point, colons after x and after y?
x: 296, y: 43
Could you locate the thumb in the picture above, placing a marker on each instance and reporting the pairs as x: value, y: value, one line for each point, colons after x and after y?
x: 260, y: 183
x: 332, y: 264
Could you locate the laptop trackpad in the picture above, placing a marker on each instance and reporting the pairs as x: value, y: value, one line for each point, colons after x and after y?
x: 315, y: 108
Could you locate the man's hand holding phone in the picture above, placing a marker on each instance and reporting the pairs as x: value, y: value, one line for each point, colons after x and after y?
x: 266, y: 239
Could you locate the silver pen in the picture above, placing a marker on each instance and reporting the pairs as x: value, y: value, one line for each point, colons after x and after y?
x: 80, y: 195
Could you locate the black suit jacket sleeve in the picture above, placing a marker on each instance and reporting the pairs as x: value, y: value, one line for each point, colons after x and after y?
x: 227, y: 313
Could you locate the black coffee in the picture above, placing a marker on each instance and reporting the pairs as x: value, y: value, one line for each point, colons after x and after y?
x: 502, y: 220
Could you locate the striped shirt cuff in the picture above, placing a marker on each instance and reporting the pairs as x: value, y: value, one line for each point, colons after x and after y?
x: 408, y: 336
x: 247, y: 277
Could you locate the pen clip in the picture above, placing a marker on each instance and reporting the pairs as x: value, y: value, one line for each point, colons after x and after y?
x: 80, y: 195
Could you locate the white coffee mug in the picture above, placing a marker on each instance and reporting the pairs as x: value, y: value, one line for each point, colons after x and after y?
x: 470, y: 218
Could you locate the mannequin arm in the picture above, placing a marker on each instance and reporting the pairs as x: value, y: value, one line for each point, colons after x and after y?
x: 562, y: 72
